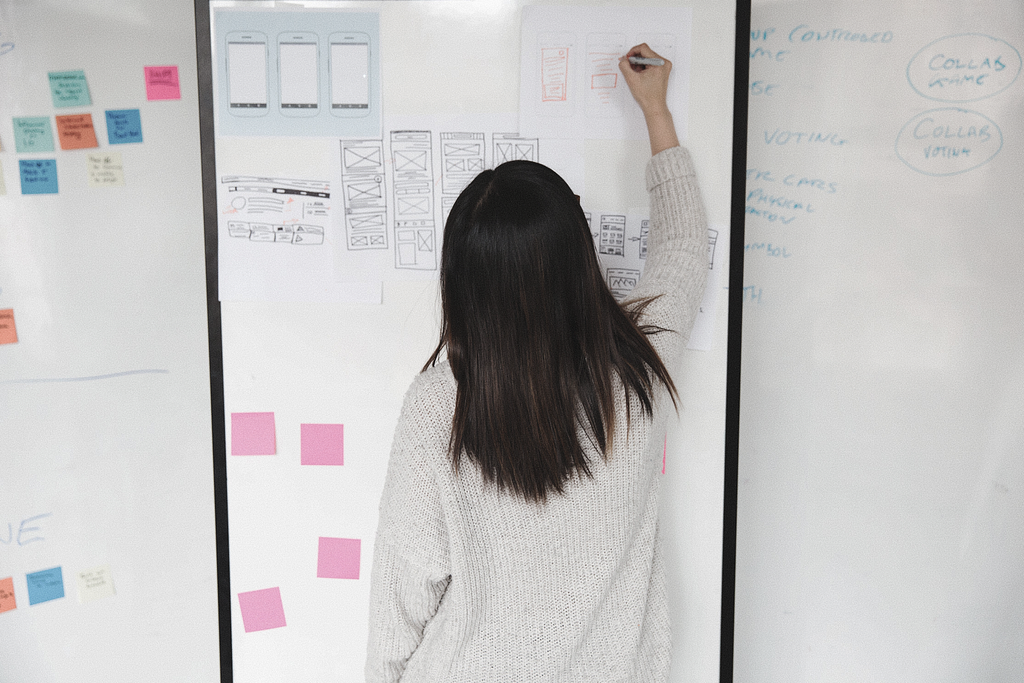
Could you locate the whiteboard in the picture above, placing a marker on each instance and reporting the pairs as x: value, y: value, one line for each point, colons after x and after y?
x: 106, y: 445
x: 881, y: 485
x: 344, y: 363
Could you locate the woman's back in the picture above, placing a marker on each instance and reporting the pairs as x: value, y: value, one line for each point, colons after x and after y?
x: 474, y: 583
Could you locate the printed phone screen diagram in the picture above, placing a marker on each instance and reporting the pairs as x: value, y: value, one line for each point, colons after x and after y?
x: 247, y: 75
x: 350, y: 66
x: 298, y: 75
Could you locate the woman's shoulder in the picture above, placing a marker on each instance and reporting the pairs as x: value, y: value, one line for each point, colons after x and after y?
x: 432, y: 389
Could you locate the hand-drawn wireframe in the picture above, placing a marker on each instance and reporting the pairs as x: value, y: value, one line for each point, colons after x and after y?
x: 413, y: 188
x: 621, y: 281
x: 604, y: 85
x: 613, y: 235
x: 511, y: 147
x: 645, y: 229
x: 462, y: 158
x: 263, y: 209
x: 247, y: 73
x: 557, y: 55
x: 298, y: 73
x: 712, y: 239
x: 363, y: 194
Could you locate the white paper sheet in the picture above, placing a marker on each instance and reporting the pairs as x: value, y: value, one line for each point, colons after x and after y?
x: 570, y: 85
x: 275, y: 241
x: 396, y: 191
x: 620, y: 238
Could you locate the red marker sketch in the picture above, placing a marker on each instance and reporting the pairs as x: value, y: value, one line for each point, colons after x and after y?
x: 554, y: 74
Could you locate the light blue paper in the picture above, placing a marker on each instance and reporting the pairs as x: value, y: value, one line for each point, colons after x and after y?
x: 38, y: 176
x: 271, y: 120
x: 33, y: 134
x: 69, y: 89
x: 123, y: 125
x: 45, y: 585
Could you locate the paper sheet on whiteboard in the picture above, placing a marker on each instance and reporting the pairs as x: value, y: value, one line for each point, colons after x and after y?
x: 570, y: 85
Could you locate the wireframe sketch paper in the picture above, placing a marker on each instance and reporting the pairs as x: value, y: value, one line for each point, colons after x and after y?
x: 620, y: 238
x: 397, y: 190
x: 297, y: 73
x: 570, y: 84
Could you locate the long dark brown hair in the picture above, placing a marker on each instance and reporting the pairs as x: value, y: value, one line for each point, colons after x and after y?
x: 534, y: 337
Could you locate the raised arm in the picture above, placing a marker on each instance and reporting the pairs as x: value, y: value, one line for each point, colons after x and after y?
x: 649, y: 85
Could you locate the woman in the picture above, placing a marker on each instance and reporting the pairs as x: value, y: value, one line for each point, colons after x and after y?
x: 518, y: 525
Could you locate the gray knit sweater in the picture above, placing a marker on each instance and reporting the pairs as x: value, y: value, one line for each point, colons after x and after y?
x: 471, y: 585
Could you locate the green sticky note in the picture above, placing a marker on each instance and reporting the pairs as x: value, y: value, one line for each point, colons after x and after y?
x: 33, y: 134
x: 69, y: 89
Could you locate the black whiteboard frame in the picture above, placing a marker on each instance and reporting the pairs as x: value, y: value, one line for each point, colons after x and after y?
x: 737, y: 247
x: 204, y: 59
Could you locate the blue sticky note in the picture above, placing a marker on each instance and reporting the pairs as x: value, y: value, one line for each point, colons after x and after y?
x: 33, y: 134
x: 38, y: 176
x: 123, y: 125
x: 45, y: 585
x: 69, y: 89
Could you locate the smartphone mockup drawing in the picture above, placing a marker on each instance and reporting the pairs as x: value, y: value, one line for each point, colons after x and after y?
x: 298, y: 73
x: 350, y: 74
x: 247, y: 73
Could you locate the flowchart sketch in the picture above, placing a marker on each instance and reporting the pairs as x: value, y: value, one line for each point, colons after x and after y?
x: 462, y: 158
x: 413, y: 188
x: 570, y: 83
x: 612, y: 238
x: 512, y: 147
x: 363, y: 194
x: 278, y: 210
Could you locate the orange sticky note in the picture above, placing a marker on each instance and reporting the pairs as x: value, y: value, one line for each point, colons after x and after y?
x: 76, y: 132
x: 7, y: 602
x: 8, y: 334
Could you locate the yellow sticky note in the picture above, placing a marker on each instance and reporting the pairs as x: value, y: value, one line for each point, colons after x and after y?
x: 94, y: 584
x: 8, y: 334
x: 105, y: 169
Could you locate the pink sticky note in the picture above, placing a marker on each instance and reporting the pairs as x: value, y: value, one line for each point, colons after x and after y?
x: 338, y: 558
x: 261, y: 609
x: 253, y: 434
x: 322, y: 444
x: 162, y: 83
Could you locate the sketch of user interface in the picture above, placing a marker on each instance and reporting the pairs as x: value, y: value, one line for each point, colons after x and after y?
x: 712, y: 239
x: 350, y: 74
x: 363, y: 192
x: 462, y: 158
x: 557, y: 57
x: 604, y: 85
x: 298, y: 73
x: 247, y: 73
x: 613, y: 235
x: 262, y: 209
x: 645, y: 229
x: 413, y: 188
x: 621, y: 281
x: 511, y: 147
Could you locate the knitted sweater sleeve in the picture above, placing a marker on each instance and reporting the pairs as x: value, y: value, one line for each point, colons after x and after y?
x: 410, y: 557
x: 676, y: 270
